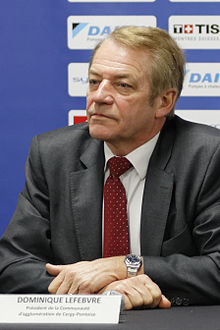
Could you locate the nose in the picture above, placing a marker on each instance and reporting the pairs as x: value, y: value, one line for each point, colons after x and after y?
x: 103, y: 93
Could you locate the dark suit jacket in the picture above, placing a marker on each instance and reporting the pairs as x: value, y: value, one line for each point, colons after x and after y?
x: 58, y: 216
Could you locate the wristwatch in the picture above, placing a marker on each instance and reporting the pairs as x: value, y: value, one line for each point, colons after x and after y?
x: 133, y: 264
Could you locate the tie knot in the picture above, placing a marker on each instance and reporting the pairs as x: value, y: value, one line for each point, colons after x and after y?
x: 118, y: 165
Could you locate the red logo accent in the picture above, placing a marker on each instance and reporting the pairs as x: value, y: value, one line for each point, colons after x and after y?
x: 188, y: 28
x: 79, y: 119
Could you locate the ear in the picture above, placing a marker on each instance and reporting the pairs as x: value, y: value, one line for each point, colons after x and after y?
x: 166, y: 102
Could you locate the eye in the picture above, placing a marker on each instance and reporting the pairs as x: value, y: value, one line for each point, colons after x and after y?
x: 124, y: 85
x: 124, y: 88
x: 93, y: 82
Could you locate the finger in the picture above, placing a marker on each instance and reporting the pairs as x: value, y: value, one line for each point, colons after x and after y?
x: 151, y: 293
x: 138, y: 297
x: 54, y: 269
x: 134, y: 296
x: 147, y: 298
x: 76, y: 283
x: 82, y: 284
x: 64, y: 287
x: 74, y: 288
x: 155, y: 294
x: 138, y: 292
x: 55, y: 284
x: 127, y: 303
x: 164, y: 302
x: 122, y: 287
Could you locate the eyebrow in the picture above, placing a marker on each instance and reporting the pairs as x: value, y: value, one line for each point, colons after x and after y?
x: 117, y: 76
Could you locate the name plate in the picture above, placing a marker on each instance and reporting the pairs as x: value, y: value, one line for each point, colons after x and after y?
x: 59, y: 308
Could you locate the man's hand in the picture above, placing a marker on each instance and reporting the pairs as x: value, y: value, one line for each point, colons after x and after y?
x: 139, y: 291
x: 86, y: 277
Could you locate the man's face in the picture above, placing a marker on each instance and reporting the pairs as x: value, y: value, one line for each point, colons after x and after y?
x: 118, y: 107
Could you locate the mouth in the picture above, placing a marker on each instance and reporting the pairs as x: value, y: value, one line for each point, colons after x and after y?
x: 99, y: 116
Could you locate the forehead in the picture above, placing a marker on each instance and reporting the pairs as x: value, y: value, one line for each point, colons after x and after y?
x: 117, y: 58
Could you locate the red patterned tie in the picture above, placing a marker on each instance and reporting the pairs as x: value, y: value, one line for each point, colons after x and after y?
x: 116, y: 234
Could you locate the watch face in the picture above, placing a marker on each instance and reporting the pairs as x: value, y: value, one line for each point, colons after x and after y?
x: 133, y: 259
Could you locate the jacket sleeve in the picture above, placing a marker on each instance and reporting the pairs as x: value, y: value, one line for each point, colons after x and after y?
x: 195, y: 279
x: 25, y: 246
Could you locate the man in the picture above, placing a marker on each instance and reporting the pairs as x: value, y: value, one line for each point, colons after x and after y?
x: 56, y: 239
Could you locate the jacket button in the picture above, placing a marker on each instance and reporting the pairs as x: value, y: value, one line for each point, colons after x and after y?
x: 185, y: 302
x: 179, y: 301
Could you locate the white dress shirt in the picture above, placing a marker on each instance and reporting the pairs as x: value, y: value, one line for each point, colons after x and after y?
x: 133, y: 181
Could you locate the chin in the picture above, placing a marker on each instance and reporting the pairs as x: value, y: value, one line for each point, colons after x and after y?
x: 100, y: 133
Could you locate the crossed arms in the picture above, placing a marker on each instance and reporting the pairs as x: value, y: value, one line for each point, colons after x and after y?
x: 100, y: 275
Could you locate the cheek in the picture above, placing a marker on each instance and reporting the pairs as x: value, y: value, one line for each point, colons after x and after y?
x: 124, y: 106
x: 127, y: 109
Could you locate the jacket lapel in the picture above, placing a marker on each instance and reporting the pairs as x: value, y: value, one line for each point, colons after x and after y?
x: 157, y: 194
x: 87, y: 194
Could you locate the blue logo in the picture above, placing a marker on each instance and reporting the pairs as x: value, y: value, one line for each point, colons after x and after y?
x: 208, y: 77
x: 96, y: 30
x: 77, y: 28
x: 93, y: 30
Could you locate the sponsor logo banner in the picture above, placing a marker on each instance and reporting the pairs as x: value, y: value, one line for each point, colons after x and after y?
x: 84, y: 32
x: 209, y: 117
x: 77, y: 79
x: 111, y: 0
x: 202, y: 79
x: 195, y: 0
x: 76, y: 117
x: 195, y: 32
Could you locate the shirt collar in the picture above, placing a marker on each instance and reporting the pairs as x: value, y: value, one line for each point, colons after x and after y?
x: 139, y: 157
